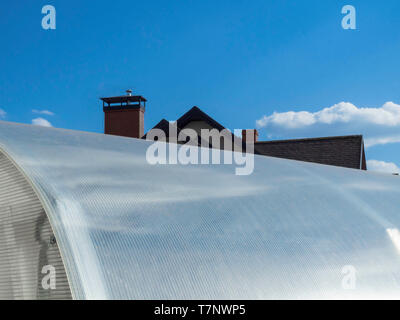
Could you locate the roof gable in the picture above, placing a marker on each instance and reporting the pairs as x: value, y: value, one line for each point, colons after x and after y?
x: 195, y: 114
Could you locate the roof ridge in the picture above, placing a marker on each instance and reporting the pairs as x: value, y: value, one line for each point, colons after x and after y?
x: 195, y: 112
x: 315, y: 138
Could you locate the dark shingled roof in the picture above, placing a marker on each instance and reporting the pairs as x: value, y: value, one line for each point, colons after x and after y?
x: 125, y: 99
x: 195, y: 114
x: 163, y: 125
x: 343, y: 151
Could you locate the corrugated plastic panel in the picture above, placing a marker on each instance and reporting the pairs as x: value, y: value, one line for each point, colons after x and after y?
x: 26, y: 242
x: 127, y: 229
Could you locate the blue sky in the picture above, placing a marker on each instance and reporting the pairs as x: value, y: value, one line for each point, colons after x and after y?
x: 239, y: 61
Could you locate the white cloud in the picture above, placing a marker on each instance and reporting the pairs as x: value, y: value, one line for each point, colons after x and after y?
x: 2, y: 114
x: 46, y: 112
x: 370, y: 142
x: 289, y: 119
x: 41, y: 122
x: 382, y: 166
x: 343, y: 112
x: 378, y: 125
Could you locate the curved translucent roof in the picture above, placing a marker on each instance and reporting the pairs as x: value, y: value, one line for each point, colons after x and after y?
x: 130, y: 230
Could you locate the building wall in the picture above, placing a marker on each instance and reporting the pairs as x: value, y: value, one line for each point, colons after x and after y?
x: 125, y: 122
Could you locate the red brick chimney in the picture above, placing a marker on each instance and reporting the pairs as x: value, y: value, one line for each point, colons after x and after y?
x: 124, y: 115
x: 250, y: 135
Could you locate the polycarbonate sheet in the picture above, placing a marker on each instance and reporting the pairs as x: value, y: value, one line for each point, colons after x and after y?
x: 130, y: 230
x: 26, y: 242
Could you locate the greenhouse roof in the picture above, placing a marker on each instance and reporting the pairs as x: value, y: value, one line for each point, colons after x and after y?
x: 127, y: 229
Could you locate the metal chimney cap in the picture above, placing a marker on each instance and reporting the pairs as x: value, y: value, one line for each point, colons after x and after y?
x: 129, y: 92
